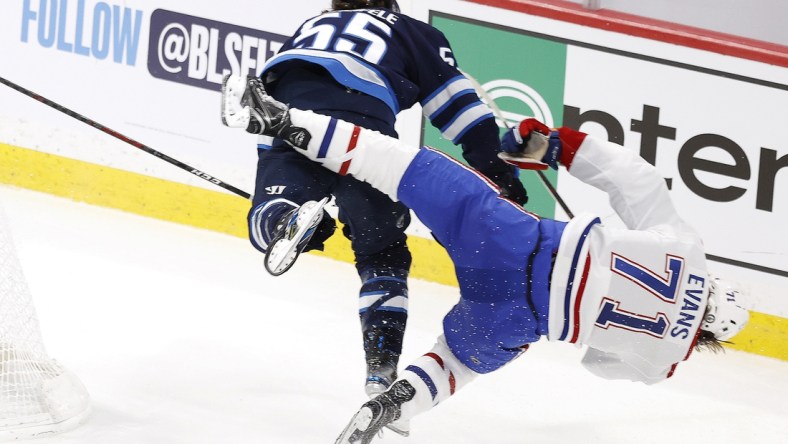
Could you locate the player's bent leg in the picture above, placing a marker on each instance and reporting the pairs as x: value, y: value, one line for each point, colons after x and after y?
x: 267, y: 220
x: 282, y: 230
x: 282, y: 222
x: 291, y: 235
x: 339, y: 146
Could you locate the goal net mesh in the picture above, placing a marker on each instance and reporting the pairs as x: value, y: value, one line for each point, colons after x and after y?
x: 37, y: 395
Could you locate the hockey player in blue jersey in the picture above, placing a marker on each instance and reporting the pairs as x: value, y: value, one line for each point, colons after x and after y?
x: 363, y: 62
x: 639, y: 298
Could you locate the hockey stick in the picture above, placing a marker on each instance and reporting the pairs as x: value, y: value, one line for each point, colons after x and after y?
x: 481, y: 92
x: 201, y: 174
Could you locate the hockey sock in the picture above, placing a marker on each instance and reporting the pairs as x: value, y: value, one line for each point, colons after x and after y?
x: 436, y: 376
x: 383, y: 311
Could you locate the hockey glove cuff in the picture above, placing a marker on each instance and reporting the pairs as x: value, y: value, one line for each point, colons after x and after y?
x: 571, y: 140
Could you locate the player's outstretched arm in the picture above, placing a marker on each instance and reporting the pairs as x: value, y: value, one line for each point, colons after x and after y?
x: 636, y: 190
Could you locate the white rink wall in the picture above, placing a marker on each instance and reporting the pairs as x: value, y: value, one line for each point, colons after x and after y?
x: 756, y: 19
x: 151, y: 70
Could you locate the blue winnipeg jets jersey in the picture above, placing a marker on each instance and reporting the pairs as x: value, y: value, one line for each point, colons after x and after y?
x: 397, y: 61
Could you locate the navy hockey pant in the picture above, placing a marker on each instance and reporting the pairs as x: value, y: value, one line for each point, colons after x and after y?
x: 374, y: 224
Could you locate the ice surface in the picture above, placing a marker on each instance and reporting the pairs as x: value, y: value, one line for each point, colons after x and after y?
x: 181, y: 337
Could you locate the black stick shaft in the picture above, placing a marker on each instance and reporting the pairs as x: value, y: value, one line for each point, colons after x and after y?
x: 481, y: 92
x: 201, y: 174
x: 555, y: 194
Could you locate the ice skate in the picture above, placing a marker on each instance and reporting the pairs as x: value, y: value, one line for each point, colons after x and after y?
x: 271, y: 117
x: 377, y: 413
x: 381, y: 373
x: 291, y: 236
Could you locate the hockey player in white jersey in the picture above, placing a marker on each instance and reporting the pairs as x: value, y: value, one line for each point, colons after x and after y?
x: 640, y: 298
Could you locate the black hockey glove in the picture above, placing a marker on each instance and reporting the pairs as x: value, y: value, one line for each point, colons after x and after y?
x: 510, y: 185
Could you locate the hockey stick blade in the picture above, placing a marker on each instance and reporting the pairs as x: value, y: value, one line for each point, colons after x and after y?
x: 355, y: 430
x: 522, y: 162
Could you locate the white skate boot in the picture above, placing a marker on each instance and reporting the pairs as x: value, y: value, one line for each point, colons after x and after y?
x: 380, y: 374
x: 291, y: 236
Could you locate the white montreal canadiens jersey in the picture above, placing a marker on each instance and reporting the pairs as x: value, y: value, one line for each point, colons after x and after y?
x: 635, y: 296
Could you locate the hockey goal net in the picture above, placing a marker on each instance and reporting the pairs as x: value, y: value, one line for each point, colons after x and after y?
x: 38, y: 396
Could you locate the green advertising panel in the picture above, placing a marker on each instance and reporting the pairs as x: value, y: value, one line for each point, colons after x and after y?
x: 523, y: 74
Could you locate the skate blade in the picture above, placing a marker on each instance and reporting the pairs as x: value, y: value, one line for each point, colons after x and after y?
x: 282, y: 254
x: 401, y: 428
x: 354, y: 430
